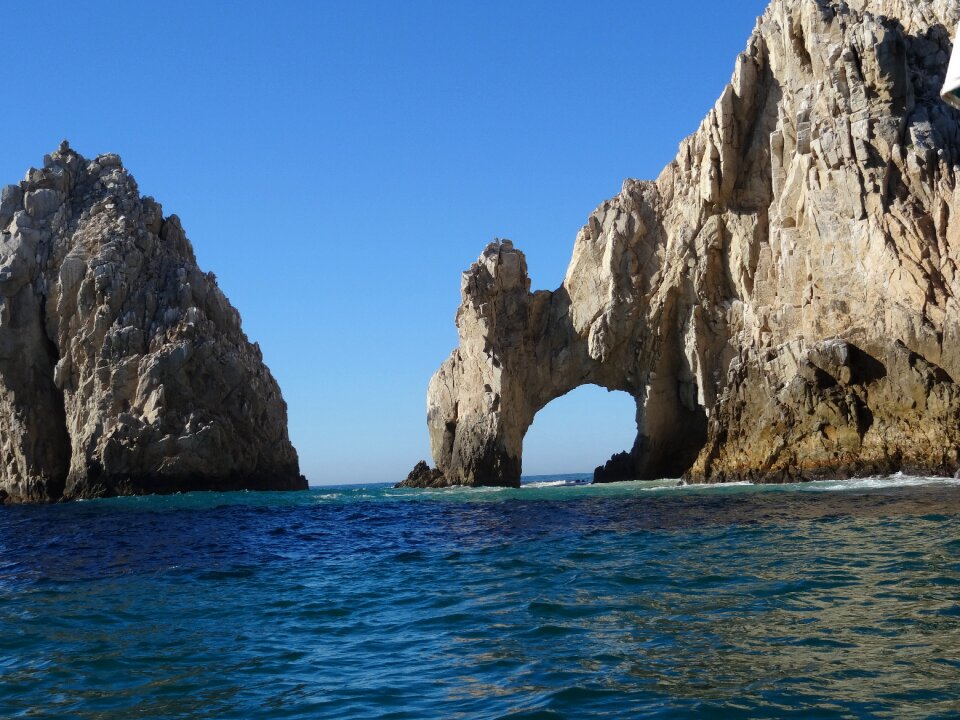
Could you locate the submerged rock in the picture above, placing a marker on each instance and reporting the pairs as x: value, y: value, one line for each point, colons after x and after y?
x: 782, y: 302
x: 123, y: 368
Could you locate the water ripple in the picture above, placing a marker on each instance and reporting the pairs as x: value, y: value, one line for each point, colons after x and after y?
x: 558, y: 600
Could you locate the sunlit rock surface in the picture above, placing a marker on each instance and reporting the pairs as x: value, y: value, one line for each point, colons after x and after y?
x: 781, y: 301
x: 123, y: 368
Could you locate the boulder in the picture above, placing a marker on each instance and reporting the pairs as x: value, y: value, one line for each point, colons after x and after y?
x: 422, y: 476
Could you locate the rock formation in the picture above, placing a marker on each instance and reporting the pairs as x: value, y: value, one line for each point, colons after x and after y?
x: 423, y: 476
x: 123, y: 368
x: 782, y: 302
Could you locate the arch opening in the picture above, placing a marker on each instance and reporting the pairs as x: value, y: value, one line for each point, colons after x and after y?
x: 579, y: 431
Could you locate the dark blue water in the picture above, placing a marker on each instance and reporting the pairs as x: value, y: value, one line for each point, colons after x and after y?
x: 829, y: 600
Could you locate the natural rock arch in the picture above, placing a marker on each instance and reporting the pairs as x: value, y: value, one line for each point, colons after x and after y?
x: 523, y: 350
x: 782, y: 301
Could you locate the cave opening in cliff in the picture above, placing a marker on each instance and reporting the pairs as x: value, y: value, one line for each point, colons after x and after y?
x: 579, y: 431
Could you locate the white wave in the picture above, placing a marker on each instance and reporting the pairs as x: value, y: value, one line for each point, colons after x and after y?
x: 447, y: 490
x: 554, y: 483
x: 679, y: 485
x: 876, y: 482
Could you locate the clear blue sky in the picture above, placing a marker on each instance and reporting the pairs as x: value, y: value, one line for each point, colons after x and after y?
x: 339, y: 164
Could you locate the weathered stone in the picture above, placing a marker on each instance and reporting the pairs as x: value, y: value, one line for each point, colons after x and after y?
x: 123, y: 368
x: 781, y: 302
x: 422, y: 476
x: 40, y: 203
x: 619, y: 468
x: 9, y: 203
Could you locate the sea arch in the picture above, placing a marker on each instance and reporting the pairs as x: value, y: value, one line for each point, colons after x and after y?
x: 519, y: 351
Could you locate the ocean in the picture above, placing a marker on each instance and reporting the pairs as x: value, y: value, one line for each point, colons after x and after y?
x: 557, y: 600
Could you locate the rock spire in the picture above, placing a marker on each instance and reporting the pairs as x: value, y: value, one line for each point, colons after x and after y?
x: 123, y: 368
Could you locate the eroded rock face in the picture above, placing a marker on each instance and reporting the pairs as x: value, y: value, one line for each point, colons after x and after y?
x: 781, y: 301
x: 123, y: 368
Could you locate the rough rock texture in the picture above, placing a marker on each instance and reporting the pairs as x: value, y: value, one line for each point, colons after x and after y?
x: 123, y: 368
x: 782, y: 301
x: 423, y: 476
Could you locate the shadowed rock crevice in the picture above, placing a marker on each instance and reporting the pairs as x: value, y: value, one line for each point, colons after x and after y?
x: 55, y: 432
x: 123, y: 368
x: 781, y: 302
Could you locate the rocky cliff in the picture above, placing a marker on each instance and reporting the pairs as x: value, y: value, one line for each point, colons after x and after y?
x: 782, y: 301
x: 123, y: 368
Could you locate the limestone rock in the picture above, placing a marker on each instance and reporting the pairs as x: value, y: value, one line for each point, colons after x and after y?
x: 123, y: 368
x: 783, y: 302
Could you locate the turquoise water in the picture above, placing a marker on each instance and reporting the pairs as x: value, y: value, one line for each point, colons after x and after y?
x: 825, y: 600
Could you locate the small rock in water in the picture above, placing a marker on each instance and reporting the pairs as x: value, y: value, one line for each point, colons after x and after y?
x: 423, y: 476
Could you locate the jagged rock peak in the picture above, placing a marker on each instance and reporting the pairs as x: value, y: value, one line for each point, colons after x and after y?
x: 782, y: 302
x: 123, y: 368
